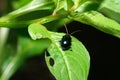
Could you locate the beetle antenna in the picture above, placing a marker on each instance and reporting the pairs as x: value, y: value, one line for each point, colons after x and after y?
x: 75, y: 31
x: 66, y: 29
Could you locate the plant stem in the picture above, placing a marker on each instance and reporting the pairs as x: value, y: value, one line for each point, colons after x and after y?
x: 48, y: 19
x: 4, y: 21
x: 3, y: 37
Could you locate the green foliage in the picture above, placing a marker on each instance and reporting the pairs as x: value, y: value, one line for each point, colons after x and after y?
x: 111, y: 9
x: 98, y: 21
x: 102, y: 15
x: 74, y: 63
x: 27, y: 48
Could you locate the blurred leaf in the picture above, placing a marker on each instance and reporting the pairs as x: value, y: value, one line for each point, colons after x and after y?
x: 65, y: 4
x: 72, y: 64
x: 30, y: 48
x: 111, y: 9
x: 34, y: 5
x: 68, y: 5
x: 3, y: 37
x: 19, y: 3
x: 34, y: 15
x: 26, y: 48
x: 77, y: 3
x: 98, y: 21
x: 54, y: 25
x: 87, y: 6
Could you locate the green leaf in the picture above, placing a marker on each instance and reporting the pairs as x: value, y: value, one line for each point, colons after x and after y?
x: 26, y: 48
x: 98, y: 21
x: 77, y: 3
x: 68, y: 65
x: 87, y: 6
x: 3, y: 37
x: 13, y: 19
x: 111, y: 8
x: 72, y: 64
x: 68, y: 5
x: 34, y: 5
x: 62, y: 4
x: 37, y: 31
x: 19, y: 3
x: 29, y: 48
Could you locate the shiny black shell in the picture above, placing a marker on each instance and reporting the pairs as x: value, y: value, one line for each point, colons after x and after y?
x: 65, y: 42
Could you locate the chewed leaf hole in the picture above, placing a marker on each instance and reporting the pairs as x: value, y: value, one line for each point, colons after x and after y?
x: 47, y: 53
x: 51, y: 61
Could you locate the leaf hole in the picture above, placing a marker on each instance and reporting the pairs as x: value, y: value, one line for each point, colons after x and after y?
x: 47, y: 53
x: 51, y: 61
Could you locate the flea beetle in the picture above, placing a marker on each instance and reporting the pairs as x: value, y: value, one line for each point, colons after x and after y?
x: 66, y: 41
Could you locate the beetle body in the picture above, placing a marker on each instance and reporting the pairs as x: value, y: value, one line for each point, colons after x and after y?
x: 65, y: 42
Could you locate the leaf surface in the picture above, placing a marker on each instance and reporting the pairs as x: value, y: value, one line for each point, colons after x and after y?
x: 72, y: 64
x: 98, y: 21
x: 111, y: 8
x: 26, y: 48
x: 34, y: 5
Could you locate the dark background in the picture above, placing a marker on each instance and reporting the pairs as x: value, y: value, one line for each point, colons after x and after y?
x: 104, y: 51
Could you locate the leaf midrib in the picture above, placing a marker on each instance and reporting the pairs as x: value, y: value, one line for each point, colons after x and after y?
x: 64, y: 57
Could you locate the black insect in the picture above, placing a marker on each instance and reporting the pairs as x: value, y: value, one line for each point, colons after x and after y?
x: 66, y: 41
